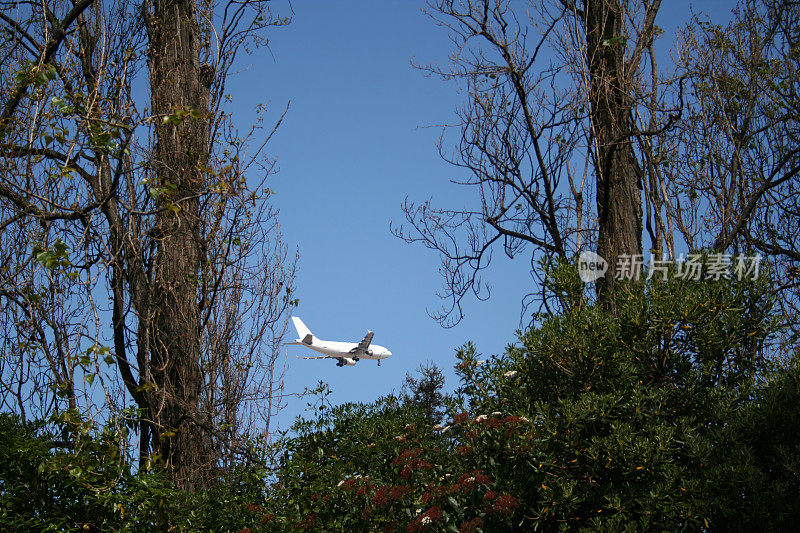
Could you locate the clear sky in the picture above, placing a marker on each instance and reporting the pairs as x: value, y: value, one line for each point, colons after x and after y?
x: 354, y: 144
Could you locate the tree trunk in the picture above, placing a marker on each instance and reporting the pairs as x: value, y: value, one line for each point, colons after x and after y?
x: 619, y: 200
x: 180, y: 153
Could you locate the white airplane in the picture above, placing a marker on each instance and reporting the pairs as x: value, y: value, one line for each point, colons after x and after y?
x: 347, y: 353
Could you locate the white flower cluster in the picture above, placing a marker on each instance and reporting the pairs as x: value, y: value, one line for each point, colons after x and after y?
x: 480, y: 418
x: 357, y: 476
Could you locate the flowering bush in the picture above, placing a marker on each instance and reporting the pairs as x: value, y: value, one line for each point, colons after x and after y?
x: 664, y: 414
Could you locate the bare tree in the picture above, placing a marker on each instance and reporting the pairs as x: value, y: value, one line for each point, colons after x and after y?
x: 559, y: 99
x: 151, y: 200
x: 735, y: 157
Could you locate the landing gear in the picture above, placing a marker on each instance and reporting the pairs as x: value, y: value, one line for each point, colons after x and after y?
x: 379, y: 362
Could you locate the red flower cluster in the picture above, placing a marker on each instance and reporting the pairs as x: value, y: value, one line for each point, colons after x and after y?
x: 399, y: 492
x: 381, y: 496
x: 434, y: 513
x: 455, y: 487
x: 431, y: 492
x: 350, y: 484
x: 463, y: 450
x: 307, y: 522
x: 460, y: 418
x: 500, y: 503
x: 411, y: 460
x: 481, y: 478
x: 406, y: 455
x: 467, y: 482
x: 473, y: 478
x: 257, y: 509
x: 471, y: 526
x: 492, y: 423
x: 472, y: 435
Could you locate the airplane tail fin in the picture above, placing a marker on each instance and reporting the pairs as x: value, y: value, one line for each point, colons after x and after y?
x: 306, y: 337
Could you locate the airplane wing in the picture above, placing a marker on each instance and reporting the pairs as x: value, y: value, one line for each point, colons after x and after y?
x: 365, y: 342
x: 318, y: 357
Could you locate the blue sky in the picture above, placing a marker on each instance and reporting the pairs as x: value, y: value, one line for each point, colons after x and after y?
x: 354, y: 144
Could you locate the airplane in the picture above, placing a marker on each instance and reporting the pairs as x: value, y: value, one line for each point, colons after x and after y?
x: 346, y: 353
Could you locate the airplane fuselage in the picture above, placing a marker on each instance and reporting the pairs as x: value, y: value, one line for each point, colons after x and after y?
x: 347, y: 349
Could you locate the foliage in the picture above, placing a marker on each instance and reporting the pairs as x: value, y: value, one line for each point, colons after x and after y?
x: 756, y: 486
x: 44, y: 487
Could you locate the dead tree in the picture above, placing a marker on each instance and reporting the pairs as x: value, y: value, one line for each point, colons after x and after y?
x: 557, y: 105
